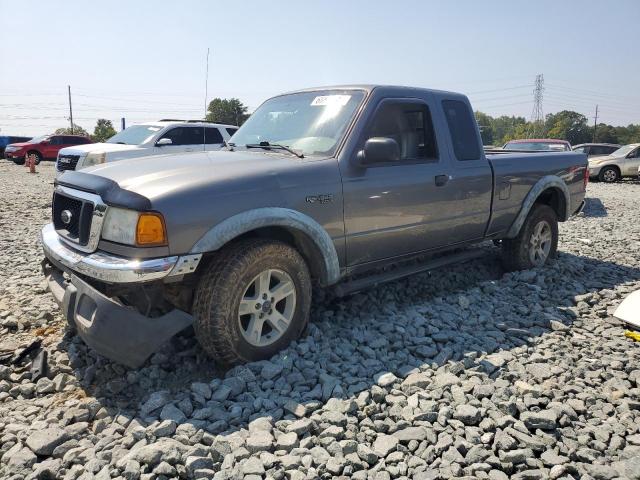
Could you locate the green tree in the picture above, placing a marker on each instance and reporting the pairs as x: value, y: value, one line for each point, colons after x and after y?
x: 628, y: 134
x: 606, y: 134
x: 568, y: 125
x: 77, y: 130
x: 486, y: 128
x: 230, y: 111
x: 103, y: 130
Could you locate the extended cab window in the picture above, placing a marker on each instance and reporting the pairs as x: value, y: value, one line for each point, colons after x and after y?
x: 409, y: 124
x: 462, y: 129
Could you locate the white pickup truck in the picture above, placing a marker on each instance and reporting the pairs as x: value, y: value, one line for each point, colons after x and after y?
x: 153, y: 138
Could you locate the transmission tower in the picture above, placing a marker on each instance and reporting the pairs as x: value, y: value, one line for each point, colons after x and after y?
x: 537, y: 116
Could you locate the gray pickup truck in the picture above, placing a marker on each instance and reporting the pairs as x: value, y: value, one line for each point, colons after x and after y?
x: 342, y: 187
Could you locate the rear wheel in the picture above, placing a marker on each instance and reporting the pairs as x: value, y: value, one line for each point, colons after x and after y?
x: 609, y: 175
x: 253, y: 300
x: 536, y: 243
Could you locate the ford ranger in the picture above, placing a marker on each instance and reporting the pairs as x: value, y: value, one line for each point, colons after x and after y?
x: 341, y: 187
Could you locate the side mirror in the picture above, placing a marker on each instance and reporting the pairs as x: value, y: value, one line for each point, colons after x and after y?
x: 379, y: 150
x: 46, y: 142
x: 163, y: 141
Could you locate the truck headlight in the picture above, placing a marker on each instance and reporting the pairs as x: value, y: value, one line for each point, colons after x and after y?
x: 94, y: 158
x: 142, y: 229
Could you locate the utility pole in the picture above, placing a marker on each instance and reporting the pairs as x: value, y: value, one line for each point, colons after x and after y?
x: 70, y: 109
x: 537, y: 116
x: 595, y: 125
x: 206, y: 86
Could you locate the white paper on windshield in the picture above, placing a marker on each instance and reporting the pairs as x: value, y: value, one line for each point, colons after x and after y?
x: 330, y: 100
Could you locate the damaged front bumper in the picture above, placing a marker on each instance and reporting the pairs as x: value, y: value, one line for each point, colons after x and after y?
x: 114, y: 330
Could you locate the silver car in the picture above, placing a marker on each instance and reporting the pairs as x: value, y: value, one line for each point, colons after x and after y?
x: 624, y: 162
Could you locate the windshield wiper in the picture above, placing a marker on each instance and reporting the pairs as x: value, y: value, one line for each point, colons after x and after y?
x: 268, y: 146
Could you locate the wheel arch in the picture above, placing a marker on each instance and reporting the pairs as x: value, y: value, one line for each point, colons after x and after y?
x: 289, y: 226
x: 549, y: 190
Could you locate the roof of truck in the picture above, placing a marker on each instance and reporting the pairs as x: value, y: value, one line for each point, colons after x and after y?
x: 539, y: 140
x: 369, y: 87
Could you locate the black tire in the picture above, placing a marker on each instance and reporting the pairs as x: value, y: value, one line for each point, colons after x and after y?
x: 517, y: 252
x: 18, y: 161
x: 36, y: 154
x: 218, y: 323
x: 609, y: 174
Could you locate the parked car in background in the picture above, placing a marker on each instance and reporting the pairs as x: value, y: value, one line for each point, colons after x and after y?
x: 538, y: 145
x: 154, y: 138
x: 624, y: 162
x: 344, y: 186
x: 44, y: 147
x: 596, y: 149
x: 7, y: 140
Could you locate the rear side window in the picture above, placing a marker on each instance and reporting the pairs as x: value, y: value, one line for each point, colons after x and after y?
x: 462, y: 130
x: 231, y: 131
x: 212, y: 136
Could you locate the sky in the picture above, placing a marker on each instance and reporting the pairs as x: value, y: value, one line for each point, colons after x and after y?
x: 146, y: 60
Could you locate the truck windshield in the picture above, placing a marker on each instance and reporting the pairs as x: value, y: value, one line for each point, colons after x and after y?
x: 135, y: 134
x: 311, y: 123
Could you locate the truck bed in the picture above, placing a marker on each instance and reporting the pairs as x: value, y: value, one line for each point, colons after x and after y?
x: 516, y: 173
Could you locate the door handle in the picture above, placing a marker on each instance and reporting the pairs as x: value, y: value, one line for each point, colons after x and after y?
x: 441, y: 180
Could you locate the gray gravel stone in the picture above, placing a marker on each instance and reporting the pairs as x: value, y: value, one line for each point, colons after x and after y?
x: 43, y: 442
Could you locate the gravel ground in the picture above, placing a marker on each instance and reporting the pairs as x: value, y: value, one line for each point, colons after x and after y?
x: 469, y: 372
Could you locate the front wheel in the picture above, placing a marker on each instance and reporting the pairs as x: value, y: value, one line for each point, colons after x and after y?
x: 609, y: 175
x: 536, y: 243
x: 252, y: 301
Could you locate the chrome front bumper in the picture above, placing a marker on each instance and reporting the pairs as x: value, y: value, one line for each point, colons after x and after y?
x: 112, y: 268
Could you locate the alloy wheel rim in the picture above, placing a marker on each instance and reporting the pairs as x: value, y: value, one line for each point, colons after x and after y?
x: 610, y: 175
x: 267, y: 307
x: 540, y: 243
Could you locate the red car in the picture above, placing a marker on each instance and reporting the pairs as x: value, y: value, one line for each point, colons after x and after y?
x: 44, y: 147
x: 538, y: 145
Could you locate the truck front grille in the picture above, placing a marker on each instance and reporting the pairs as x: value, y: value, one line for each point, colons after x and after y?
x: 72, y: 217
x: 67, y: 162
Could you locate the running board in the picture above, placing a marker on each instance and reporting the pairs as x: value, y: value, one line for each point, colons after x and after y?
x: 353, y: 286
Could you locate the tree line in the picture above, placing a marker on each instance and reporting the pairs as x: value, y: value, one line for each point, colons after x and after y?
x: 564, y: 125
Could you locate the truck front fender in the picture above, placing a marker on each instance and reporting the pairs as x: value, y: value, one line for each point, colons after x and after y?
x: 291, y: 220
x: 545, y: 183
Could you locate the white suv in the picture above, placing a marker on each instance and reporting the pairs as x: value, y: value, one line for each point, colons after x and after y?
x: 154, y: 138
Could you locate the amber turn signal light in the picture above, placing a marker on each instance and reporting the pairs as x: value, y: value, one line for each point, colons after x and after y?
x: 150, y: 230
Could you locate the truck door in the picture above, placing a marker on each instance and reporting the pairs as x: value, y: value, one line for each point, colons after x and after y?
x: 393, y: 208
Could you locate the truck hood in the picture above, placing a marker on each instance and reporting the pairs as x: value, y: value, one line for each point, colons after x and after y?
x: 99, y: 147
x: 160, y: 176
